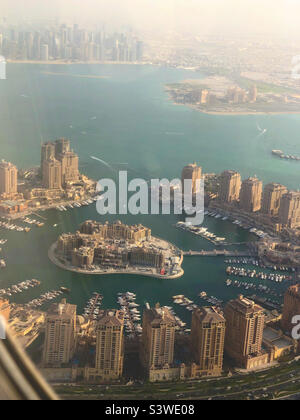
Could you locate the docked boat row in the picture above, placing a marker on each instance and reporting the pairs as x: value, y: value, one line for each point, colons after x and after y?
x: 212, y: 300
x: 45, y: 298
x: 77, y: 204
x: 251, y: 286
x: 8, y: 226
x: 186, y: 302
x: 201, y: 231
x: 132, y: 316
x: 2, y: 263
x: 237, y: 222
x: 92, y: 308
x: 215, y: 215
x: 33, y: 222
x: 3, y: 241
x: 20, y: 287
x: 243, y: 272
x: 255, y: 262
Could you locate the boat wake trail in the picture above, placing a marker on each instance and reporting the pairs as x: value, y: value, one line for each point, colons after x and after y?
x: 103, y: 162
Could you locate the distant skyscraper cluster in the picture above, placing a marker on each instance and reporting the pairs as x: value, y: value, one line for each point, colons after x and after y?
x: 69, y: 43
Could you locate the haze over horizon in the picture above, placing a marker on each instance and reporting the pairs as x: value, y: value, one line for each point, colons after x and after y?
x: 224, y: 17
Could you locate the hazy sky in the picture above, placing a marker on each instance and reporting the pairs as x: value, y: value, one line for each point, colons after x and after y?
x: 254, y: 16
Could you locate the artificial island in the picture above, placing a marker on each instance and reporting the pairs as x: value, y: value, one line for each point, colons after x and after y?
x: 234, y: 94
x: 116, y: 248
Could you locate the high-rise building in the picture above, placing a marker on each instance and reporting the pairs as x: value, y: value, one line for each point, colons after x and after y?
x: 271, y: 198
x: 110, y: 345
x: 291, y: 307
x: 44, y: 52
x: 60, y: 334
x: 62, y: 145
x: 244, y: 329
x: 69, y: 166
x: 8, y: 178
x: 253, y: 93
x: 194, y: 173
x: 47, y: 152
x: 52, y: 174
x: 158, y: 338
x: 289, y: 211
x: 4, y: 309
x: 207, y: 340
x: 139, y: 50
x: 204, y: 96
x: 250, y: 195
x: 230, y: 187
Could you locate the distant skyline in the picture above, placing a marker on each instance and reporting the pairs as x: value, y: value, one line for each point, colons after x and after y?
x: 223, y: 17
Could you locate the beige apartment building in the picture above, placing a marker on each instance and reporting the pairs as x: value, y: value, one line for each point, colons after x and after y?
x: 109, y: 348
x: 60, y: 334
x: 291, y: 307
x: 207, y: 340
x: 289, y: 211
x: 272, y: 198
x: 158, y: 338
x: 116, y: 230
x: 52, y: 178
x: 251, y: 195
x: 59, y: 164
x: 244, y: 333
x: 47, y: 152
x: 194, y: 173
x: 8, y: 178
x: 69, y: 167
x: 230, y: 187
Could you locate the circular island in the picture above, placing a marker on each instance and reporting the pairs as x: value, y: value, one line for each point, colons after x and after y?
x: 116, y: 248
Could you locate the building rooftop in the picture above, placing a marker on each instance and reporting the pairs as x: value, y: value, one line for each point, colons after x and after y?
x: 61, y: 309
x: 159, y: 314
x: 111, y: 318
x: 209, y: 314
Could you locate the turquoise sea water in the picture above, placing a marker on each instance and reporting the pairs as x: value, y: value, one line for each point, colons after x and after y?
x: 126, y: 117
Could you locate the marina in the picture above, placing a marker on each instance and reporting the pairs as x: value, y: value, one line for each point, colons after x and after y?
x: 44, y: 298
x: 201, y: 231
x: 33, y: 222
x: 203, y: 273
x: 212, y: 300
x: 8, y: 226
x: 78, y: 204
x: 132, y: 315
x: 257, y: 263
x: 253, y: 274
x: 219, y: 215
x: 91, y: 310
x: 185, y: 302
x: 20, y: 287
x: 251, y: 286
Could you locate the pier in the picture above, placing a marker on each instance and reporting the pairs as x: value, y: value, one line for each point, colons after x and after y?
x: 217, y: 253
